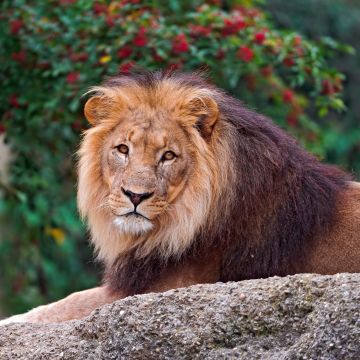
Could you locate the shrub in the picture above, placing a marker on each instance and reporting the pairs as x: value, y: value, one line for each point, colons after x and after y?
x: 341, y: 19
x: 54, y: 50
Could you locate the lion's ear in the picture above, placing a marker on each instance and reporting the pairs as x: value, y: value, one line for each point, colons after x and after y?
x: 96, y: 108
x: 207, y: 113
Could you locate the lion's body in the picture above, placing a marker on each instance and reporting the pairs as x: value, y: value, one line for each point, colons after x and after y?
x: 181, y: 184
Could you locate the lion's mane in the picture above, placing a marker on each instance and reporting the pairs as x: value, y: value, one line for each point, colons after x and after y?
x: 258, y: 199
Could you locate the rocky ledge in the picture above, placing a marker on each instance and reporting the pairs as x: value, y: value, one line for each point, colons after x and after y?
x: 295, y: 317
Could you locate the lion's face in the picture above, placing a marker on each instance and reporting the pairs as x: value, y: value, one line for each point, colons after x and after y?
x: 147, y: 161
x: 151, y: 166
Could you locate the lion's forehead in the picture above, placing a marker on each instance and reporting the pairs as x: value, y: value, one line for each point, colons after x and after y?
x: 152, y: 133
x: 156, y: 138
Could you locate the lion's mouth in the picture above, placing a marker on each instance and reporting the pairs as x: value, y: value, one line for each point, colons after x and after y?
x: 136, y: 214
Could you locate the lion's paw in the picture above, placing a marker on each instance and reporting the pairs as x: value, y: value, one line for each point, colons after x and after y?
x: 13, y: 319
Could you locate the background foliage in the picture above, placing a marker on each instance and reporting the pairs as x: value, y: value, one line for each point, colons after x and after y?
x: 341, y: 21
x: 53, y: 51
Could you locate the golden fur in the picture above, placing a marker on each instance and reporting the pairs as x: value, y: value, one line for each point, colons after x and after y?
x: 190, y: 199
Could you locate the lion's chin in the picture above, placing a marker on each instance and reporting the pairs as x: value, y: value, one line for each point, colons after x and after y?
x: 133, y: 224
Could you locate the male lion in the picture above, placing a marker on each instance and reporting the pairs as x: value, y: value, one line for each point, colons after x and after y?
x: 181, y: 184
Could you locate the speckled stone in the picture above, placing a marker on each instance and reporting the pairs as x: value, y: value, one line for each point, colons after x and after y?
x: 295, y: 317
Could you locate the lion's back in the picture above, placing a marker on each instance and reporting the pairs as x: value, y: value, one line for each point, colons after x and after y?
x: 339, y: 249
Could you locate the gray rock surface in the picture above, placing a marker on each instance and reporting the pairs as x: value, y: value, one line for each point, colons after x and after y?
x: 296, y: 317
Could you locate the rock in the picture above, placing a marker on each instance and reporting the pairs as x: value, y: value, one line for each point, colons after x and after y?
x: 295, y: 317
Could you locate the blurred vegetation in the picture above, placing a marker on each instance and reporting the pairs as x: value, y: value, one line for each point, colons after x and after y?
x: 53, y: 51
x: 338, y: 20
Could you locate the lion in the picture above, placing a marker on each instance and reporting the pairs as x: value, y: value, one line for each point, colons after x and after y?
x: 181, y: 184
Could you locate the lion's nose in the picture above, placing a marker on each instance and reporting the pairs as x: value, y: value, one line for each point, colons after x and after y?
x: 136, y: 199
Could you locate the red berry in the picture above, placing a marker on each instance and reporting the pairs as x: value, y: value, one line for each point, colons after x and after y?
x: 259, y: 38
x: 15, y: 26
x: 125, y: 52
x: 2, y: 128
x: 72, y: 77
x: 288, y: 96
x: 245, y: 54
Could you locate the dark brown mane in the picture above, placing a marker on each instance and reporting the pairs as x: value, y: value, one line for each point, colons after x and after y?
x: 284, y: 198
x: 283, y: 191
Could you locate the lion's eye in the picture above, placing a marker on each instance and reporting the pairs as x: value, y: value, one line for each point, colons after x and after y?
x: 168, y: 155
x: 123, y: 149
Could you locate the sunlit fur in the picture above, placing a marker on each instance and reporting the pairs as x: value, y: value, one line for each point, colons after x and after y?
x: 176, y: 227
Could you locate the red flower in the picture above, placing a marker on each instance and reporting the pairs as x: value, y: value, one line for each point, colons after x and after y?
x: 43, y: 65
x: 83, y: 56
x: 260, y: 37
x: 288, y: 96
x: 140, y: 39
x: 250, y: 80
x: 289, y: 61
x: 126, y: 67
x: 220, y: 54
x: 77, y: 125
x: 327, y: 88
x: 174, y: 66
x: 245, y: 54
x: 110, y: 20
x: 2, y: 128
x: 300, y: 51
x: 124, y: 2
x: 13, y: 100
x: 338, y: 86
x: 15, y: 26
x: 125, y: 52
x: 297, y: 40
x: 72, y: 77
x: 156, y: 56
x: 19, y: 56
x: 180, y: 44
x: 292, y: 118
x: 232, y: 27
x: 311, y: 136
x: 267, y: 71
x: 100, y: 8
x: 199, y: 30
